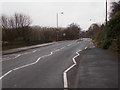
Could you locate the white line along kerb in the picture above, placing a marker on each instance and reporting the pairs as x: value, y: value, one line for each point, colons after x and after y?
x: 65, y: 72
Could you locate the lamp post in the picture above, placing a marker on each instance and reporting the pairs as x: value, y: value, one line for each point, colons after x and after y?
x: 106, y: 13
x: 57, y: 20
x: 58, y: 17
x: 57, y: 23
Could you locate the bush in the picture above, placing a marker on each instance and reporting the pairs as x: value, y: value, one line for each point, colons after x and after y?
x: 109, y: 36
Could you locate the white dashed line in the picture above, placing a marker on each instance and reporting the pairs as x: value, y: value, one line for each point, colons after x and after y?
x: 17, y: 56
x: 69, y: 44
x: 34, y: 51
x: 85, y: 47
x: 26, y: 65
x: 62, y: 47
x: 30, y: 63
x: 7, y: 59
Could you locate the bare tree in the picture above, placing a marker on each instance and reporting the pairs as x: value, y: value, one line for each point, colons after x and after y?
x: 16, y: 21
x: 11, y: 23
x: 4, y: 21
x: 21, y: 20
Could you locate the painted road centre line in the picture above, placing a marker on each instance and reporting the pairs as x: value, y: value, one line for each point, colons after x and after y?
x: 31, y: 63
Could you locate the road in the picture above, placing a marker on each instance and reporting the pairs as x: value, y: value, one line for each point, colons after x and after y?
x: 40, y: 67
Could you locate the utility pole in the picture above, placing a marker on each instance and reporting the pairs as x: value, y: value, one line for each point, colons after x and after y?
x: 57, y: 25
x: 57, y: 20
x: 57, y: 17
x: 106, y: 13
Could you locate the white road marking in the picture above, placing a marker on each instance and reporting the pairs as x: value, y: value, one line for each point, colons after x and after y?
x: 33, y: 62
x: 65, y: 72
x: 5, y: 74
x: 69, y: 44
x: 30, y: 63
x: 62, y: 47
x: 6, y: 59
x: 65, y: 80
x: 34, y: 51
x: 26, y: 65
x: 17, y: 56
x: 85, y: 47
x: 56, y: 50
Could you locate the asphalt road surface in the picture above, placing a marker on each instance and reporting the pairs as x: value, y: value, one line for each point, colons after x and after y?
x: 40, y: 67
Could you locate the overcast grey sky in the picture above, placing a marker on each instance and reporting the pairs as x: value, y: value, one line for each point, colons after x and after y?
x: 44, y: 13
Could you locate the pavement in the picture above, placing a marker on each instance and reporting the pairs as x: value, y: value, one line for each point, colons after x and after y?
x: 97, y: 68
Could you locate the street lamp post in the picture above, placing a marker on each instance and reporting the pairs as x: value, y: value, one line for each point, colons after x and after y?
x: 106, y: 13
x: 58, y: 17
x: 57, y: 20
x: 57, y: 24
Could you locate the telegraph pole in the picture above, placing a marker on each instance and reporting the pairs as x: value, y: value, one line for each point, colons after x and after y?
x: 57, y: 24
x: 57, y: 19
x: 106, y: 13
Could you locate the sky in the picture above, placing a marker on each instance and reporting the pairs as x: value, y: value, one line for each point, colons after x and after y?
x: 43, y: 13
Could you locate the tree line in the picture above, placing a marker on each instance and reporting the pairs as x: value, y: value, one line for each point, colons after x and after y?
x: 17, y: 29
